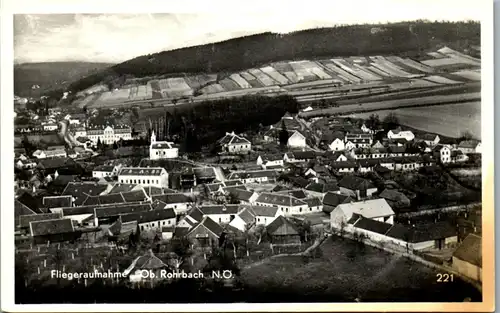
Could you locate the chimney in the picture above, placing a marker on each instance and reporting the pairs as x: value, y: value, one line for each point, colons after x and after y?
x: 150, y: 252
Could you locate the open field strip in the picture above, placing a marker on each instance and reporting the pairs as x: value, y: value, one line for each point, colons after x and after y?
x: 364, y: 73
x: 390, y: 69
x: 436, y: 55
x: 198, y: 81
x: 342, y: 73
x: 441, y: 80
x: 120, y: 94
x: 88, y: 101
x: 333, y: 74
x: 282, y: 67
x: 301, y: 71
x: 315, y: 70
x: 399, y: 62
x: 263, y: 78
x: 451, y: 60
x: 378, y: 71
x: 414, y: 83
x: 240, y: 92
x: 240, y: 81
x: 449, y: 120
x: 397, y: 69
x: 212, y: 88
x: 229, y: 85
x: 459, y: 55
x: 252, y: 80
x: 393, y: 104
x: 274, y: 74
x: 317, y: 83
x: 417, y: 65
x: 291, y: 76
x: 469, y: 74
x: 93, y: 89
x: 318, y: 71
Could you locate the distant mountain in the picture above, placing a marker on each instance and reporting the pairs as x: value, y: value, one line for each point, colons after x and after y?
x: 33, y: 79
x: 410, y: 39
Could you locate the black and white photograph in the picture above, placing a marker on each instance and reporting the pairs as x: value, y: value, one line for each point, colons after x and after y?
x: 250, y: 157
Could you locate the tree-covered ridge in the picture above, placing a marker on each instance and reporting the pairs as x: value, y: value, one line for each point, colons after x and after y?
x: 411, y: 39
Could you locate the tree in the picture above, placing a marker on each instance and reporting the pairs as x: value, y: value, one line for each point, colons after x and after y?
x: 261, y: 232
x: 283, y: 135
x: 465, y: 135
x: 391, y: 121
x: 373, y: 122
x: 182, y: 250
x: 99, y: 144
x: 115, y: 145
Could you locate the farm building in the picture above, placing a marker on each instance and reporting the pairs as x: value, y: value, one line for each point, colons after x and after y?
x: 54, y: 230
x: 233, y: 143
x: 396, y: 199
x: 377, y: 209
x: 244, y: 219
x: 264, y: 215
x: 224, y: 213
x: 57, y: 201
x: 103, y: 171
x: 296, y: 140
x: 470, y: 146
x: 442, y: 153
x: 152, y: 219
x: 287, y: 204
x: 332, y: 199
x: 467, y: 259
x: 357, y: 187
x: 177, y: 201
x: 147, y: 262
x: 282, y: 231
x: 206, y: 233
x: 430, y: 140
x: 144, y: 176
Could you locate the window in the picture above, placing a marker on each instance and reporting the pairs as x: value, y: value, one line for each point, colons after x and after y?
x: 156, y: 181
x: 121, y: 180
x: 300, y: 210
x: 163, y: 223
x: 148, y: 181
x: 220, y: 219
x: 310, y: 209
x: 142, y: 227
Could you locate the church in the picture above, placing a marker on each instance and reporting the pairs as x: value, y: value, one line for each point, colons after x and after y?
x: 162, y: 149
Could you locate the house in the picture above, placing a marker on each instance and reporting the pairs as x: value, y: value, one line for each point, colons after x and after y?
x: 50, y: 127
x: 357, y: 187
x: 29, y: 201
x: 338, y: 157
x: 430, y: 140
x: 283, y: 232
x: 377, y: 209
x: 287, y: 204
x: 269, y: 161
x: 206, y: 233
x: 320, y: 189
x: 108, y: 214
x: 162, y: 149
x: 442, y: 153
x: 213, y: 188
x: 25, y: 220
x: 233, y: 143
x: 470, y: 146
x: 243, y: 196
x: 151, y: 219
x: 81, y: 215
x: 19, y: 210
x: 366, y: 129
x: 377, y: 145
x: 299, y: 156
x: 254, y: 176
x: 332, y: 199
x: 357, y: 140
x: 44, y: 154
x: 205, y: 175
x: 336, y: 141
x: 177, y: 201
x: 244, y: 220
x: 315, y: 204
x: 233, y: 182
x: 343, y: 166
x: 457, y: 156
x: 103, y: 171
x: 296, y: 140
x: 25, y: 164
x: 49, y: 166
x: 57, y: 201
x: 468, y: 259
x: 194, y: 217
x: 436, y: 235
x: 396, y: 199
x: 148, y: 262
x: 144, y: 176
x: 264, y: 215
x: 120, y: 188
x: 400, y: 134
x: 221, y: 213
x: 297, y: 193
x: 54, y: 230
x: 367, y: 165
x: 108, y: 134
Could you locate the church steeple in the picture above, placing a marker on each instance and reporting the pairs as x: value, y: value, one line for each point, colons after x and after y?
x: 153, y: 137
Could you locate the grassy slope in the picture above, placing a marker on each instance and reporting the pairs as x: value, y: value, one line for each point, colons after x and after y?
x: 50, y: 75
x: 247, y: 52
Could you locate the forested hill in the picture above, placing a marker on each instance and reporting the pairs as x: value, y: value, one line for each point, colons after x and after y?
x: 406, y: 38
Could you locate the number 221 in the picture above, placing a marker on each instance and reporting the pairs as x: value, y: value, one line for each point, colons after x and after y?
x: 444, y: 278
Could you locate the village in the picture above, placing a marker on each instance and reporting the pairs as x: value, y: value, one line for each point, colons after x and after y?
x: 113, y: 198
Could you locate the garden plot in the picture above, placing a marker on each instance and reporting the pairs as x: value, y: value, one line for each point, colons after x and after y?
x: 240, y: 81
x: 274, y: 74
x: 355, y: 69
x: 303, y: 70
x: 441, y: 80
x: 213, y: 88
x: 229, y: 84
x: 416, y: 65
x: 460, y: 56
x: 254, y: 82
x: 140, y: 93
x: 391, y: 70
x: 263, y: 78
x: 364, y: 73
x: 342, y: 73
x: 198, y: 81
x: 116, y: 95
x: 378, y: 71
x: 155, y: 85
x: 469, y: 74
x: 436, y: 55
x: 292, y: 77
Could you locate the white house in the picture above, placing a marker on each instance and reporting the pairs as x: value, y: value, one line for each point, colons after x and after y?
x: 443, y: 153
x: 144, y: 176
x: 467, y: 259
x: 25, y: 164
x: 268, y: 162
x: 265, y: 215
x: 177, y: 201
x: 287, y: 204
x: 151, y: 220
x: 56, y: 153
x: 222, y: 214
x: 400, y: 134
x: 429, y: 139
x: 377, y: 209
x: 108, y: 134
x: 357, y: 187
x: 50, y: 127
x: 233, y: 143
x: 103, y: 171
x: 162, y: 149
x: 359, y: 140
x: 296, y: 140
x: 470, y: 146
x: 365, y: 129
x: 244, y: 219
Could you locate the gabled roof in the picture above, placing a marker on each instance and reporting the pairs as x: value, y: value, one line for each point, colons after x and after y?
x: 372, y: 225
x: 282, y: 226
x: 355, y: 183
x: 260, y: 210
x: 210, y: 225
x: 333, y: 199
x: 25, y: 220
x: 204, y: 172
x: 393, y: 195
x: 232, y: 138
x: 369, y: 208
x: 471, y: 144
x: 196, y: 214
x: 148, y: 216
x: 119, y: 187
x: 107, y: 199
x: 103, y: 168
x: 134, y: 196
x: 80, y: 191
x: 54, y: 163
x: 279, y: 199
x: 342, y: 164
x: 28, y: 200
x: 470, y: 250
x: 233, y: 182
x: 172, y: 198
x: 51, y: 227
x: 253, y: 174
x: 141, y: 171
x: 79, y: 210
x: 115, y: 210
x: 322, y: 188
x: 247, y: 215
x: 241, y: 194
x: 21, y: 209
x: 301, y: 155
x: 220, y: 209
x: 313, y: 202
x: 57, y: 201
x: 146, y: 262
x: 297, y: 193
x: 433, y: 231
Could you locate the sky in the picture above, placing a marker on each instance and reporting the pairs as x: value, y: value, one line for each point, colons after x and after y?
x: 116, y: 38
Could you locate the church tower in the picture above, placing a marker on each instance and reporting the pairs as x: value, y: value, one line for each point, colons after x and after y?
x: 153, y: 137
